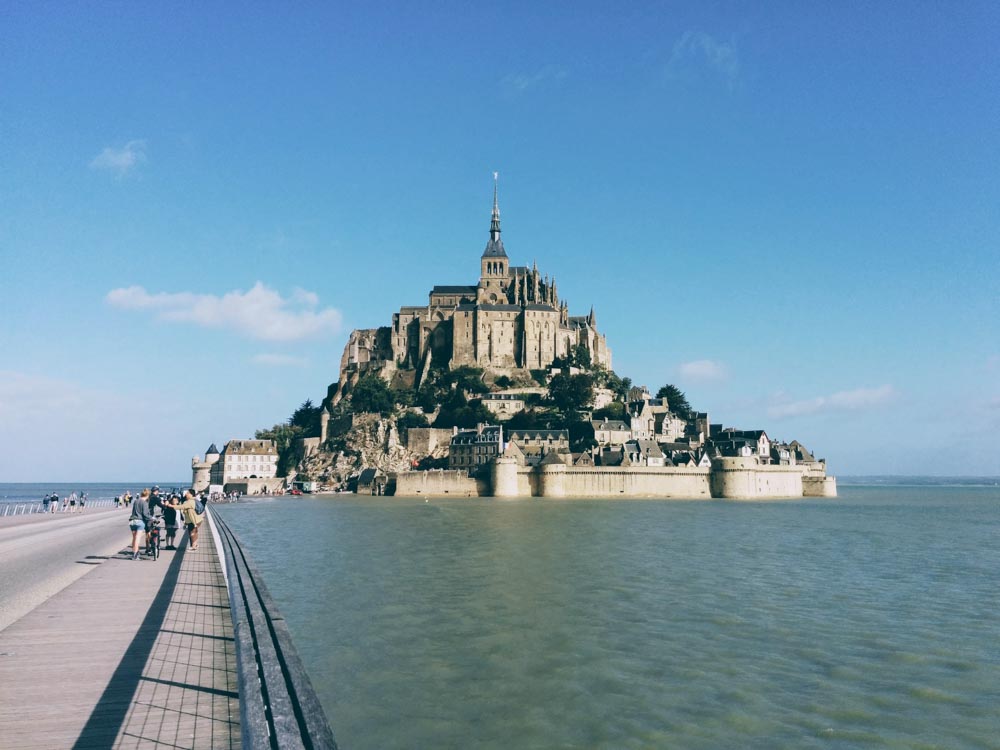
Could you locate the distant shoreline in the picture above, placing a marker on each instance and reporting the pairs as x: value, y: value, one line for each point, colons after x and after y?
x: 903, y: 480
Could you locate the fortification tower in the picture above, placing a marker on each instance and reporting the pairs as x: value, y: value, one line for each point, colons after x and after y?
x: 324, y: 424
x: 201, y: 471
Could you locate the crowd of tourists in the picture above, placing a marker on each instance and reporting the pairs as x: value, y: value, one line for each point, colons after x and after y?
x: 69, y: 504
x: 151, y: 510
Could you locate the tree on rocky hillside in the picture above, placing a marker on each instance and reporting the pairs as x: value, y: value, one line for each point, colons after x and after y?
x: 578, y: 356
x: 306, y: 417
x: 284, y: 436
x: 572, y: 393
x: 614, y: 411
x: 676, y: 400
x: 604, y: 378
x: 372, y: 394
x: 456, y: 411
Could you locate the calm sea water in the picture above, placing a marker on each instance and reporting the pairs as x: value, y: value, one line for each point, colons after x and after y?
x: 870, y: 621
x: 33, y: 492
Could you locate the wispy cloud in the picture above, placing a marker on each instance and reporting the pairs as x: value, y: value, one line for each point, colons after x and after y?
x: 279, y: 360
x: 258, y: 313
x: 702, y: 370
x: 518, y: 83
x: 696, y: 49
x: 859, y: 398
x: 120, y: 161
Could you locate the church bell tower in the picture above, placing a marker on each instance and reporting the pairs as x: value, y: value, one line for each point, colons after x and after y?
x: 494, y: 262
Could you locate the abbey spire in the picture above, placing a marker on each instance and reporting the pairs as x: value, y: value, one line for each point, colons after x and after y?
x: 495, y: 223
x: 494, y: 248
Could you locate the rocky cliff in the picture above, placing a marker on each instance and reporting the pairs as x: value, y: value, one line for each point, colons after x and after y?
x: 371, y: 442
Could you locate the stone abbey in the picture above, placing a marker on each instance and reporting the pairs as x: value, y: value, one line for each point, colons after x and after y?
x: 513, y: 319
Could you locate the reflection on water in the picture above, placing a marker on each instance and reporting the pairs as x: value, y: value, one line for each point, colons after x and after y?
x: 870, y: 621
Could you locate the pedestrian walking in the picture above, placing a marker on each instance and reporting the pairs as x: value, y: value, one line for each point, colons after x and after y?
x: 139, y: 521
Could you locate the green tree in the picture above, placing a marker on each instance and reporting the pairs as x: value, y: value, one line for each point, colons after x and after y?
x: 533, y: 419
x: 466, y: 378
x: 581, y: 436
x: 615, y: 411
x: 372, y: 394
x: 609, y: 379
x: 456, y: 411
x: 411, y: 419
x: 284, y: 436
x: 676, y: 400
x: 580, y: 356
x: 306, y: 417
x: 572, y: 393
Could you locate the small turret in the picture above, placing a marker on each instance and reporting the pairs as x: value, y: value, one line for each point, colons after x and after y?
x: 324, y: 421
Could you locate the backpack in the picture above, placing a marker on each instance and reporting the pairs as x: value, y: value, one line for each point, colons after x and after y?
x: 199, y: 507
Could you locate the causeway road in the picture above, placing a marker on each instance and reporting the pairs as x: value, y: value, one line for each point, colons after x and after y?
x: 39, y: 559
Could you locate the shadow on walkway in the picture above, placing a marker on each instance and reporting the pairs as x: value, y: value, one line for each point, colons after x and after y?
x: 108, y: 716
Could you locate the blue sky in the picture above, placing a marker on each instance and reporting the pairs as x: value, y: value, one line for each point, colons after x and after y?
x: 791, y: 212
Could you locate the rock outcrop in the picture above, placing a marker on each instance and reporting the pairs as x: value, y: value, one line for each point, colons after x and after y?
x: 373, y: 442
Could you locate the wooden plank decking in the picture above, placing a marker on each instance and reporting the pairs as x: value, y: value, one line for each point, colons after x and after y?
x: 132, y: 655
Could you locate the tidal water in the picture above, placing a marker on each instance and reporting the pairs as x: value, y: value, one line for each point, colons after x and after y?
x: 870, y: 621
x: 24, y: 492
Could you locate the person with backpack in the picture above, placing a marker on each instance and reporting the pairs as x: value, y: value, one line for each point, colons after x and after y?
x: 192, y: 519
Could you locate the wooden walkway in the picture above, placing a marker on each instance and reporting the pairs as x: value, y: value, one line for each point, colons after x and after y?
x: 136, y: 654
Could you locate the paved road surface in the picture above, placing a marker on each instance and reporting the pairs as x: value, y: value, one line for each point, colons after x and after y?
x: 38, y: 560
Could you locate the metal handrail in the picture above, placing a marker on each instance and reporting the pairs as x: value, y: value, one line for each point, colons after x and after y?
x: 40, y: 506
x: 279, y: 709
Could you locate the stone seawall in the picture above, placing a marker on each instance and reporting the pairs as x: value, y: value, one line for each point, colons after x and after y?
x: 729, y: 478
x: 439, y: 484
x: 819, y: 486
x: 555, y: 480
x: 636, y: 481
x: 744, y: 479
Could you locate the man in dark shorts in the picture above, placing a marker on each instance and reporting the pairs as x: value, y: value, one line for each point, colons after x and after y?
x: 170, y: 519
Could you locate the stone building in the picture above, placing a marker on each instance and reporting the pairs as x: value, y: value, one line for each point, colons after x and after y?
x: 535, y: 445
x: 245, y: 459
x: 504, y: 405
x: 471, y: 449
x: 512, y: 319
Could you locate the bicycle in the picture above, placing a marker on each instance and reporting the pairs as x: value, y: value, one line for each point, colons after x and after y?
x: 153, y: 538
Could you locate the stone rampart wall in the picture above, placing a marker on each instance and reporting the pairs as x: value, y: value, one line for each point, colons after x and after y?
x: 423, y: 440
x: 735, y: 478
x: 635, y: 481
x: 745, y: 479
x: 255, y: 486
x: 439, y: 484
x: 819, y: 486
